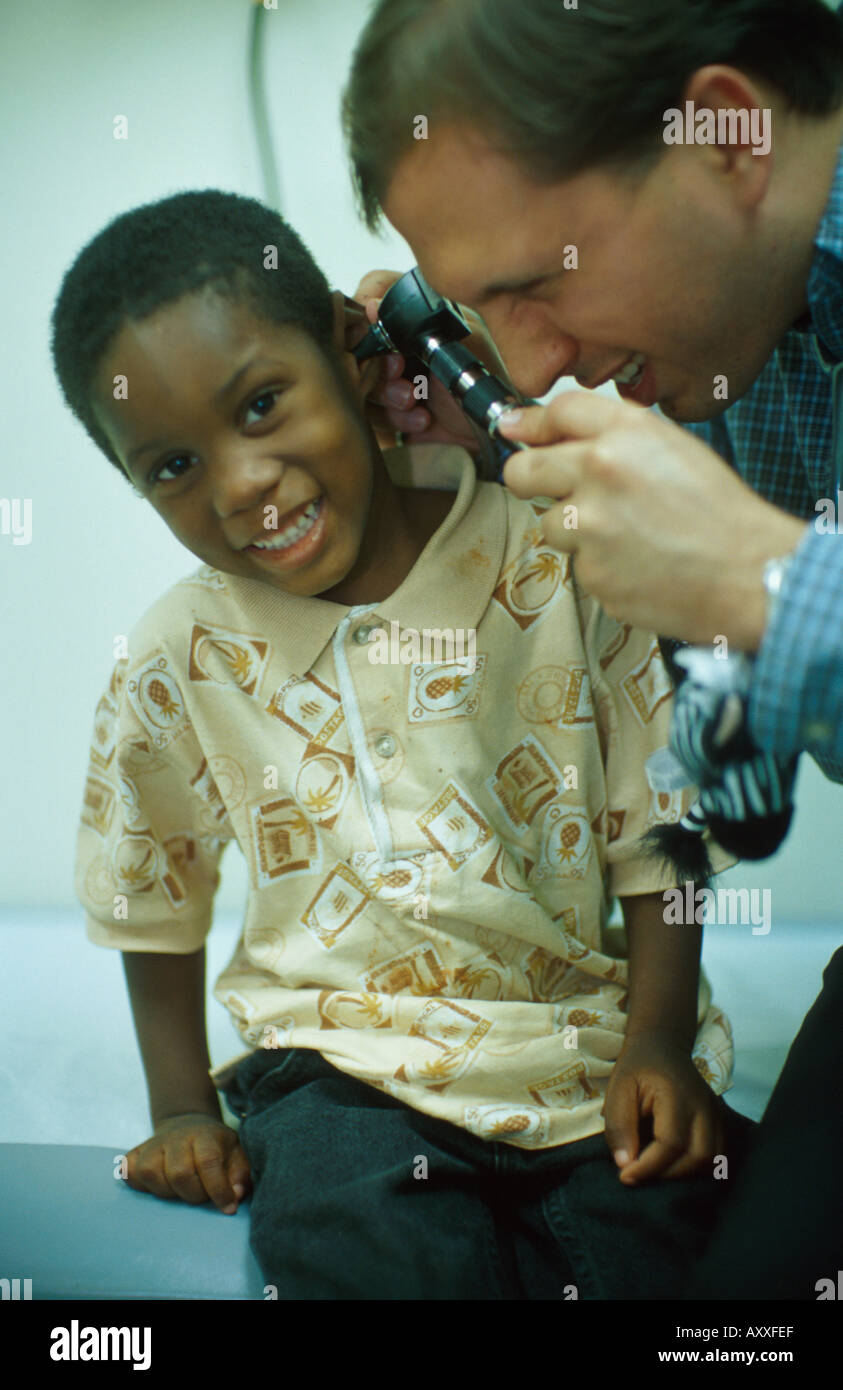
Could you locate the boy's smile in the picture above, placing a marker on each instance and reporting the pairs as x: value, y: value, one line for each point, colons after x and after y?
x: 255, y: 450
x: 298, y: 538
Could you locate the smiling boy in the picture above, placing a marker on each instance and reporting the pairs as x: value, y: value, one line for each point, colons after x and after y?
x: 455, y: 1086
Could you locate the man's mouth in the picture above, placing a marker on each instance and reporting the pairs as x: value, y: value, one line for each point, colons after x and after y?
x: 632, y: 373
x: 299, y: 535
x: 636, y: 382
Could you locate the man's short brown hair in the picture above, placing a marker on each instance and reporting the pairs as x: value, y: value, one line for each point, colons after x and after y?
x: 564, y: 89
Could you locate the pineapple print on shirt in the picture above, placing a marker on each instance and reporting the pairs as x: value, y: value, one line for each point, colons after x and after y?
x: 446, y: 690
x: 157, y: 701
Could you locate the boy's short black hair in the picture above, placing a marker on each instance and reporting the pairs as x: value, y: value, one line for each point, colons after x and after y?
x: 155, y: 254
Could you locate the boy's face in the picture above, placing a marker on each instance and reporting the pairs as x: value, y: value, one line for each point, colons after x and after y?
x: 228, y: 417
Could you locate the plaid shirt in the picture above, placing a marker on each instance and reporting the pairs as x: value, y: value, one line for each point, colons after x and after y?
x: 785, y: 438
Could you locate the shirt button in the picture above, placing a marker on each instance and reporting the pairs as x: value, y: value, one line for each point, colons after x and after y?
x: 385, y: 745
x: 361, y: 635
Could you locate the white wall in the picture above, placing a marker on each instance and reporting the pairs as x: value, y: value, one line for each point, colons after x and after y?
x: 177, y: 70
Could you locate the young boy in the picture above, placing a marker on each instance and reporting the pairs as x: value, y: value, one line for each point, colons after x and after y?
x: 455, y: 1086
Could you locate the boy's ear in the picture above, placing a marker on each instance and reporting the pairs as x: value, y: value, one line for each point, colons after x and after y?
x: 349, y: 328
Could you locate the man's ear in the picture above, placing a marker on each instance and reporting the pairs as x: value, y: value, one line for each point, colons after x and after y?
x: 363, y: 376
x: 746, y: 156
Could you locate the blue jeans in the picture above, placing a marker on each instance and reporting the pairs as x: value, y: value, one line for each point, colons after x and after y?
x: 344, y: 1208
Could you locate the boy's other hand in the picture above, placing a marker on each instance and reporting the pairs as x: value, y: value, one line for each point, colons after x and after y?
x: 393, y: 406
x: 192, y: 1158
x: 662, y: 1119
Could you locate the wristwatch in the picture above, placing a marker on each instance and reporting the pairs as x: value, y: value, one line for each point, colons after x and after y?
x: 774, y: 577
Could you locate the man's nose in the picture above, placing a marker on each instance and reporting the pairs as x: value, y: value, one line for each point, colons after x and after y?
x: 533, y: 366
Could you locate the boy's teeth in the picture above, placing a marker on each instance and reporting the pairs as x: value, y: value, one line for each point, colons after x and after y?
x: 633, y: 369
x: 291, y: 533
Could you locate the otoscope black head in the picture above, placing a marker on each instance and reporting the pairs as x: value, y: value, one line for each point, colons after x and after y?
x: 410, y: 313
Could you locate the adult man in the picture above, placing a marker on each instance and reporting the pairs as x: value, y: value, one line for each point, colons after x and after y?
x: 705, y: 277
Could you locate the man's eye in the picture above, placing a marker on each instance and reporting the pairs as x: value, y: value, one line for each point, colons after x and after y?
x: 158, y: 475
x: 539, y: 287
x: 262, y: 404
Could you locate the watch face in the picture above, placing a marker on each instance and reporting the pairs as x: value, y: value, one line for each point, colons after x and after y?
x: 774, y: 573
x: 774, y: 577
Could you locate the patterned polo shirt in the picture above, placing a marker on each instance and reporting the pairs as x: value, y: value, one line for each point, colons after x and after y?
x: 434, y: 833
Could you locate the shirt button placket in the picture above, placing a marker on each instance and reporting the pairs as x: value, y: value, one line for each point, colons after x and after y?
x: 369, y: 784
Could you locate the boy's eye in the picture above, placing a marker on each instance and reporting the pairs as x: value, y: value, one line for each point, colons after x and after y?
x: 262, y: 404
x: 158, y: 475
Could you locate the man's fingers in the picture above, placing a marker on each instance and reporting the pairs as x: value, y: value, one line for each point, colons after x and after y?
x: 387, y: 423
x: 399, y: 394
x: 571, y: 415
x: 543, y: 472
x: 393, y: 366
x: 395, y: 421
x: 375, y: 284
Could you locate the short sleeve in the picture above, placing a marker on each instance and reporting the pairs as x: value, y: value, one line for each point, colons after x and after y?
x: 633, y: 699
x: 151, y: 831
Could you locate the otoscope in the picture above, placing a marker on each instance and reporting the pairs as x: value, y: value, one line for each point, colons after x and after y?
x: 417, y: 322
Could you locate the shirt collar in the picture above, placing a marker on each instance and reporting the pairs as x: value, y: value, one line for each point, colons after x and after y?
x: 449, y: 586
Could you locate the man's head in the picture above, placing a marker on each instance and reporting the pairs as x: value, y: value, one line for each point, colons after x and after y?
x: 546, y: 148
x: 201, y: 347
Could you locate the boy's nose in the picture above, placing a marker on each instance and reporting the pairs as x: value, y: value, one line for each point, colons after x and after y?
x: 239, y: 480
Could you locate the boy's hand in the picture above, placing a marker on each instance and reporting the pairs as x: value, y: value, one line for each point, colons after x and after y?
x: 192, y: 1158
x: 662, y: 1119
x: 392, y: 405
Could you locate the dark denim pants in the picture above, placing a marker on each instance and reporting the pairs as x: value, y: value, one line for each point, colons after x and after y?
x: 338, y: 1213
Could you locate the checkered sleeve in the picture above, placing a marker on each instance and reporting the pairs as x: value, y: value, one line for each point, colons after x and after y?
x: 796, y: 701
x: 150, y: 835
